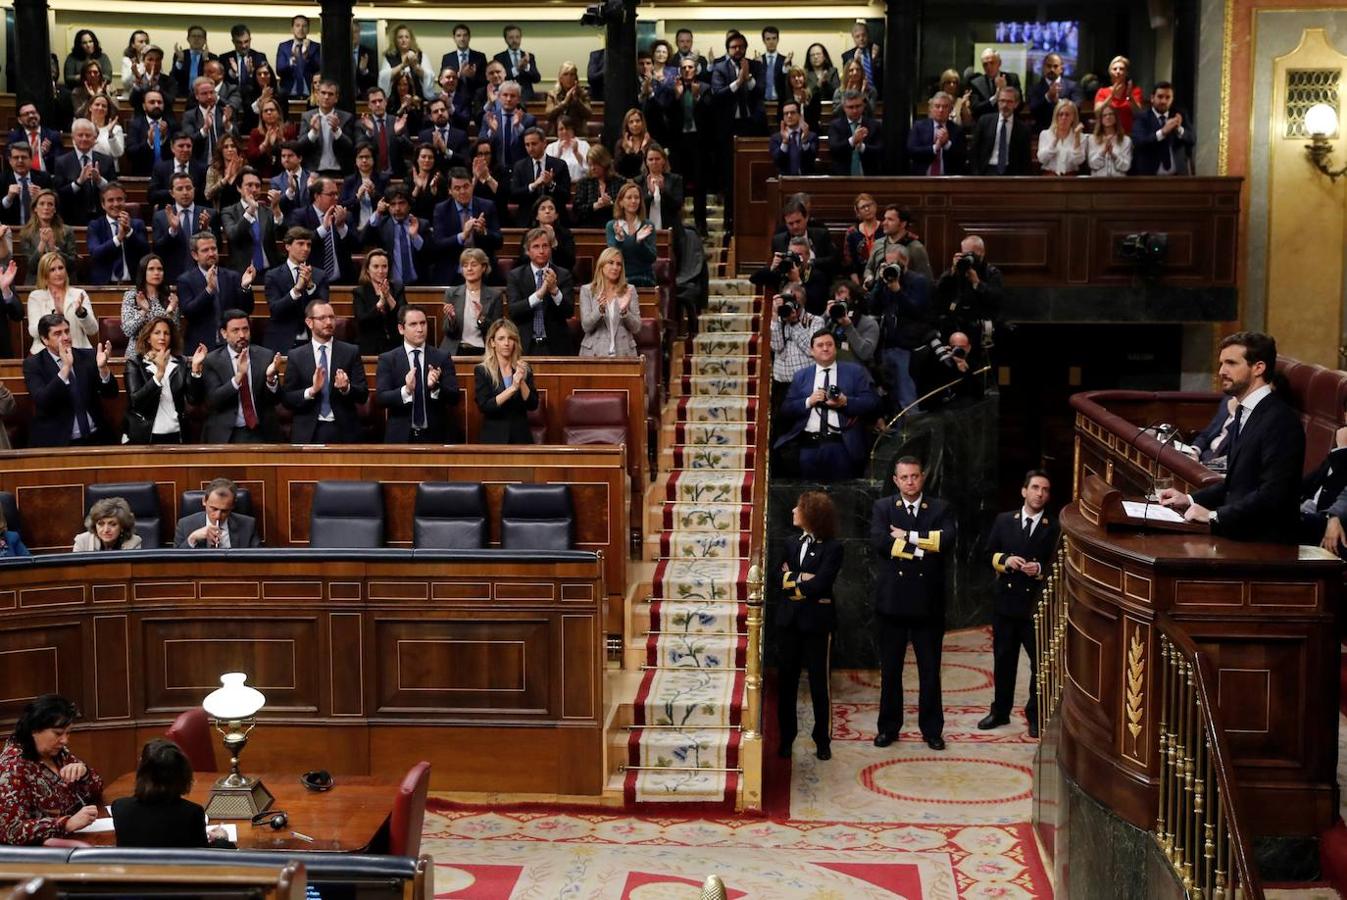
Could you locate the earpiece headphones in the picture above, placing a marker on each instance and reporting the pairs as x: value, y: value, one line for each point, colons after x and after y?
x: 276, y: 818
x: 318, y: 780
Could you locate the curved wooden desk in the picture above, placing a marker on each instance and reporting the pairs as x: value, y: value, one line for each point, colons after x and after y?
x: 487, y: 665
x: 1263, y: 612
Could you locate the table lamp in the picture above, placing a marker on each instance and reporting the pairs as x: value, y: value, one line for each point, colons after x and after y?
x: 233, y: 706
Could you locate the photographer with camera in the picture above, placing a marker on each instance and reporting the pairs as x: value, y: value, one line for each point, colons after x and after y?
x: 790, y: 329
x: 821, y: 255
x: 857, y: 334
x: 947, y: 363
x: 901, y: 302
x: 968, y: 296
x: 823, y: 411
x: 895, y: 223
x: 791, y: 267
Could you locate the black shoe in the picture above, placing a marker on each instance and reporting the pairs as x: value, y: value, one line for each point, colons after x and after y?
x: 783, y: 751
x: 883, y: 739
x: 936, y: 743
x: 992, y: 720
x: 824, y: 753
x: 1033, y: 729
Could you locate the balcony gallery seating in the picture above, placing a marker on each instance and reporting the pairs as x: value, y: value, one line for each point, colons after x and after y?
x: 595, y: 417
x: 191, y: 732
x: 142, y: 497
x: 191, y: 501
x: 536, y: 517
x: 449, y: 515
x: 347, y: 514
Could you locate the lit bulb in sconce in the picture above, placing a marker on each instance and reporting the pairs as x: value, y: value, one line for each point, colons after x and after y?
x: 1321, y: 119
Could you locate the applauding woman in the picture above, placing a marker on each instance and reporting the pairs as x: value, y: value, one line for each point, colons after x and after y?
x: 156, y: 384
x: 1061, y: 148
x: 224, y: 178
x: 46, y: 233
x: 1109, y: 149
x: 569, y: 98
x: 264, y: 141
x: 546, y: 217
x: 593, y: 204
x: 45, y: 791
x: 110, y: 525
x: 470, y: 307
x: 503, y: 385
x: 54, y: 293
x: 630, y: 154
x: 376, y: 300
x: 806, y: 617
x: 148, y: 299
x: 428, y: 185
x: 632, y: 233
x: 610, y: 311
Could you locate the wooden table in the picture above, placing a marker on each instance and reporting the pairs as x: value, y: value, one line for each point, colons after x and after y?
x: 344, y: 819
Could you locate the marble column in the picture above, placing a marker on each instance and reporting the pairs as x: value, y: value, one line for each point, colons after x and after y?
x: 619, y: 72
x: 902, y: 64
x: 338, y: 65
x: 32, y: 65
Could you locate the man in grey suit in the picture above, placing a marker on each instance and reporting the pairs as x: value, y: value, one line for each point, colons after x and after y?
x: 217, y: 526
x: 326, y: 135
x: 210, y: 121
x: 238, y: 387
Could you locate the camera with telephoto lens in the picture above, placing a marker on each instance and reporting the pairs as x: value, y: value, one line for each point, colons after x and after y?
x: 787, y: 307
x: 945, y: 354
x: 891, y: 272
x: 838, y: 311
x: 965, y: 262
x: 789, y: 260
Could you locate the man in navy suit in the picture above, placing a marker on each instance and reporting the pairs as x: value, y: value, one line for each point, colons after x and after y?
x: 1162, y: 139
x: 869, y: 54
x: 46, y: 142
x: 520, y: 66
x: 450, y: 143
x: 775, y: 65
x: 1021, y: 544
x: 460, y: 222
x: 416, y: 384
x: 65, y: 385
x: 1049, y: 89
x: 161, y: 177
x: 402, y: 235
x: 149, y: 136
x: 19, y: 186
x: 190, y: 64
x: 289, y: 288
x: 207, y: 289
x: 337, y: 240
x: 505, y: 130
x: 853, y: 139
x: 174, y: 225
x: 208, y: 122
x: 1259, y: 500
x: 298, y: 59
x: 325, y: 383
x: 294, y: 181
x: 794, y: 147
x: 470, y: 64
x: 825, y: 409
x: 252, y: 224
x: 242, y: 62
x: 1000, y: 140
x: 541, y: 299
x: 80, y: 175
x: 116, y: 241
x: 538, y: 175
x: 386, y: 133
x: 736, y: 90
x: 937, y: 145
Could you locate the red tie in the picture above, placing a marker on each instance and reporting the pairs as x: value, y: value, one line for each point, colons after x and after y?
x: 383, y: 146
x: 37, y: 150
x: 246, y: 399
x: 936, y: 167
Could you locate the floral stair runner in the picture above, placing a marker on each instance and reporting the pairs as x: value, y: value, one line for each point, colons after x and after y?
x: 683, y: 746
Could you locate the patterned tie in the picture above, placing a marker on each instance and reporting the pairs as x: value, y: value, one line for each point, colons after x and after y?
x: 23, y: 200
x: 154, y: 130
x: 856, y: 168
x: 867, y: 64
x: 539, y: 326
x: 405, y: 251
x: 1002, y: 145
x: 419, y: 393
x: 325, y: 395
x: 246, y: 400
x: 330, y: 252
x: 383, y: 143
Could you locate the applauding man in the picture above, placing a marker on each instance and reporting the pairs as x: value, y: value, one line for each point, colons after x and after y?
x: 65, y: 385
x: 416, y: 385
x: 238, y: 387
x: 324, y: 383
x: 290, y: 287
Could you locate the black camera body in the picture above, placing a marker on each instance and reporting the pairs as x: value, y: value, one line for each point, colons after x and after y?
x: 789, y: 260
x: 837, y: 312
x: 834, y: 391
x: 891, y: 272
x: 965, y: 263
x: 787, y: 308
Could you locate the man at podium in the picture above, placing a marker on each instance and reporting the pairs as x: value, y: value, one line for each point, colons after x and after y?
x: 1259, y: 499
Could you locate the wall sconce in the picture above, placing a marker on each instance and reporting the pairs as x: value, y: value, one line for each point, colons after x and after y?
x: 1321, y: 120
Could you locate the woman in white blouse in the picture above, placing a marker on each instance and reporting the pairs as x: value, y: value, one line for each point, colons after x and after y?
x: 1109, y: 150
x: 470, y: 307
x: 1061, y: 148
x: 572, y: 150
x: 156, y: 384
x: 610, y: 311
x: 54, y: 293
x: 111, y: 139
x: 404, y: 55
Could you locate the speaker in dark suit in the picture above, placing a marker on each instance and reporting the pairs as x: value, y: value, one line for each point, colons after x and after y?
x: 912, y: 533
x: 921, y: 150
x: 1013, y: 158
x: 446, y: 238
x: 1162, y: 139
x: 203, y: 305
x: 805, y: 618
x: 66, y: 407
x: 417, y: 413
x: 326, y: 412
x: 1021, y: 544
x: 79, y: 199
x: 534, y: 311
x: 234, y: 416
x: 830, y: 433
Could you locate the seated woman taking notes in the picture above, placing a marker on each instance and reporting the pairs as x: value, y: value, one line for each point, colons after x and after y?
x: 158, y: 815
x: 45, y: 791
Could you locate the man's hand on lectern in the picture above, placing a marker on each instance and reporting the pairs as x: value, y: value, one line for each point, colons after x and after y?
x: 1173, y: 498
x: 1197, y: 513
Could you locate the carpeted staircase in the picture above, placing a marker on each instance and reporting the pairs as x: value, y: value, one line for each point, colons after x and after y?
x: 683, y: 741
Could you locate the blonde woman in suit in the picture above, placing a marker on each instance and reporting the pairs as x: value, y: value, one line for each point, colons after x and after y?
x: 610, y: 311
x: 470, y: 307
x: 503, y: 387
x: 55, y: 293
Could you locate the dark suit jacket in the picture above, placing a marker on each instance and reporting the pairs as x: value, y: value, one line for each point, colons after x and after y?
x: 285, y: 65
x: 53, y: 403
x: 377, y: 331
x: 516, y: 143
x: 391, y: 376
x: 203, y: 146
x: 777, y: 74
x: 752, y: 118
x: 176, y: 250
x: 140, y: 144
x: 343, y: 146
x: 920, y: 140
x: 10, y: 310
x: 231, y: 65
x: 825, y: 256
x: 201, y: 310
x: 164, y: 84
x: 143, y: 397
x: 215, y: 390
x: 861, y: 402
x: 351, y: 186
x: 447, y: 225
x: 807, y: 606
x: 286, y: 328
x: 239, y: 232
x: 522, y: 176
x: 161, y: 181
x: 299, y: 368
x: 1329, y: 481
x: 1147, y: 152
x: 1259, y: 499
x: 242, y: 531
x: 519, y: 286
x: 346, y: 247
x: 526, y: 79
x: 907, y: 585
x: 594, y: 74
x: 281, y: 181
x: 456, y: 141
x: 1041, y: 108
x: 80, y: 203
x: 182, y: 70
x: 475, y: 58
x: 670, y: 199
x: 984, y: 92
x: 104, y: 254
x: 399, y: 145
x: 176, y: 823
x: 383, y: 233
x: 508, y: 424
x: 10, y: 215
x: 780, y: 151
x: 840, y: 150
x: 17, y: 135
x: 984, y: 140
x: 1017, y: 593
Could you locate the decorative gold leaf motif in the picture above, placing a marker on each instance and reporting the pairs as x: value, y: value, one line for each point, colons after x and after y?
x: 1136, y: 670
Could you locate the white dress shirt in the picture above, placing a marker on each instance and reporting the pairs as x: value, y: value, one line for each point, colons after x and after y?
x: 814, y: 422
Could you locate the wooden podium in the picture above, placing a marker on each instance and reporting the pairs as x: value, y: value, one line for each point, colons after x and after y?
x: 1264, y: 613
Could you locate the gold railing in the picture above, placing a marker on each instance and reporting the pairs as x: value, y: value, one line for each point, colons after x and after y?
x: 1198, y: 826
x: 1050, y: 638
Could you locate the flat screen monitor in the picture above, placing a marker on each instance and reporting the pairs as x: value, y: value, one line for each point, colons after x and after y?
x: 1042, y: 38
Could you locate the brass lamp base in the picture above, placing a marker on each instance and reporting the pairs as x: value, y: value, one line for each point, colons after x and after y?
x: 238, y: 797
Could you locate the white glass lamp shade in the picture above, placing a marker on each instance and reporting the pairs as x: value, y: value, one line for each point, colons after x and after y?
x: 1321, y: 119
x: 234, y: 699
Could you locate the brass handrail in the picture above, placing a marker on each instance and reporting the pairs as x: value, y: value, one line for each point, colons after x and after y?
x: 1199, y: 826
x: 1050, y: 637
x: 888, y: 426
